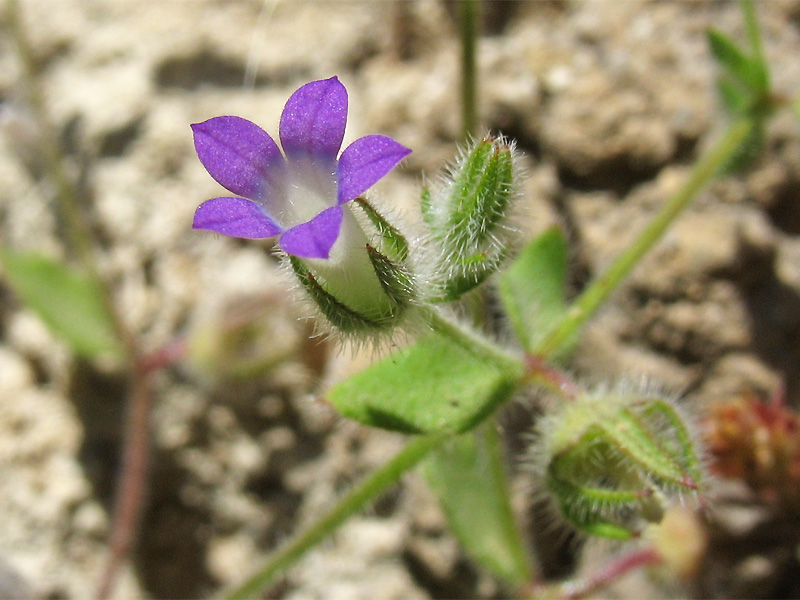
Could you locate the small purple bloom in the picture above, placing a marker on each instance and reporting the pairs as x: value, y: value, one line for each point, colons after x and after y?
x: 297, y: 194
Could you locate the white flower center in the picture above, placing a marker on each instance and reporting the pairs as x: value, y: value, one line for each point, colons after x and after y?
x: 308, y: 188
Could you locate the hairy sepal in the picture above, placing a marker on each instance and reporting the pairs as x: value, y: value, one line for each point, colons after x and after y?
x: 341, y: 316
x: 611, y: 462
x: 468, y: 219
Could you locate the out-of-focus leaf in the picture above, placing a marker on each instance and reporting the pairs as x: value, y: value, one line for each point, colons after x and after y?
x: 748, y: 71
x: 67, y: 301
x: 533, y: 287
x: 435, y: 385
x: 467, y: 475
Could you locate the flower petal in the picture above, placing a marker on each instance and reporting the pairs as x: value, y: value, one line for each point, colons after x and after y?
x: 365, y: 161
x: 314, y: 119
x: 315, y: 238
x: 238, y: 154
x: 236, y: 217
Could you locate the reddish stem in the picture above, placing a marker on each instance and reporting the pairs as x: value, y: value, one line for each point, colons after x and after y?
x: 132, y: 479
x: 643, y: 557
x: 165, y: 356
x: 539, y: 371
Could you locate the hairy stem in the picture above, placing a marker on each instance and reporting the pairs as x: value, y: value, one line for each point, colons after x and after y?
x: 353, y: 502
x: 473, y: 341
x: 602, y: 287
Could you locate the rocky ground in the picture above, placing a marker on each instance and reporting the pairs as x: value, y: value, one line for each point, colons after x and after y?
x: 609, y: 102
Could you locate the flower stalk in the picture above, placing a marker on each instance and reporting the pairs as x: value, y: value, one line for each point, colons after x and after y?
x: 601, y: 288
x: 367, y: 490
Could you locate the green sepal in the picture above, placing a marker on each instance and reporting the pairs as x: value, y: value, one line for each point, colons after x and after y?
x: 468, y: 218
x: 434, y: 385
x: 468, y: 275
x: 615, y: 459
x: 428, y: 208
x: 479, y: 197
x: 394, y: 278
x: 392, y: 241
x: 588, y: 515
x: 70, y: 303
x: 675, y: 438
x: 340, y: 315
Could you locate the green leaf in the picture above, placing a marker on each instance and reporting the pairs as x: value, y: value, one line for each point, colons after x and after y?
x: 735, y: 99
x: 67, y: 301
x: 533, y: 287
x: 435, y: 385
x: 467, y: 475
x: 749, y: 72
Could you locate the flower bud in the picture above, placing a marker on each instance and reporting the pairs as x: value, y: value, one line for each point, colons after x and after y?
x: 611, y: 461
x: 365, y: 285
x: 468, y: 218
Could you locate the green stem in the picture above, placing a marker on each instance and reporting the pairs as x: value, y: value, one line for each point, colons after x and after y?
x: 599, y: 290
x: 377, y: 483
x: 469, y: 34
x: 474, y: 342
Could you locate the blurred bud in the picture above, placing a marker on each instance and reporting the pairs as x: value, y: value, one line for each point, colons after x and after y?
x: 610, y: 461
x: 759, y: 443
x: 245, y: 338
x: 468, y: 218
x: 680, y: 540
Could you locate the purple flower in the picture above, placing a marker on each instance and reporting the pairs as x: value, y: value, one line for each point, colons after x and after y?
x: 298, y: 194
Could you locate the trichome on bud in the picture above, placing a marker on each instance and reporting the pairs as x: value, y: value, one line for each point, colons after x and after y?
x: 610, y: 461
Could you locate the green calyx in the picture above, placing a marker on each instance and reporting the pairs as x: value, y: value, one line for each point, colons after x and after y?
x: 468, y: 217
x: 392, y: 242
x: 372, y: 288
x: 614, y: 460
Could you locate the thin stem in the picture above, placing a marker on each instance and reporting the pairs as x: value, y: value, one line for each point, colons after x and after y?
x: 79, y: 237
x: 473, y: 341
x: 600, y: 289
x: 369, y: 489
x: 132, y: 480
x: 539, y: 372
x: 469, y: 33
x: 77, y: 232
x: 573, y: 590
